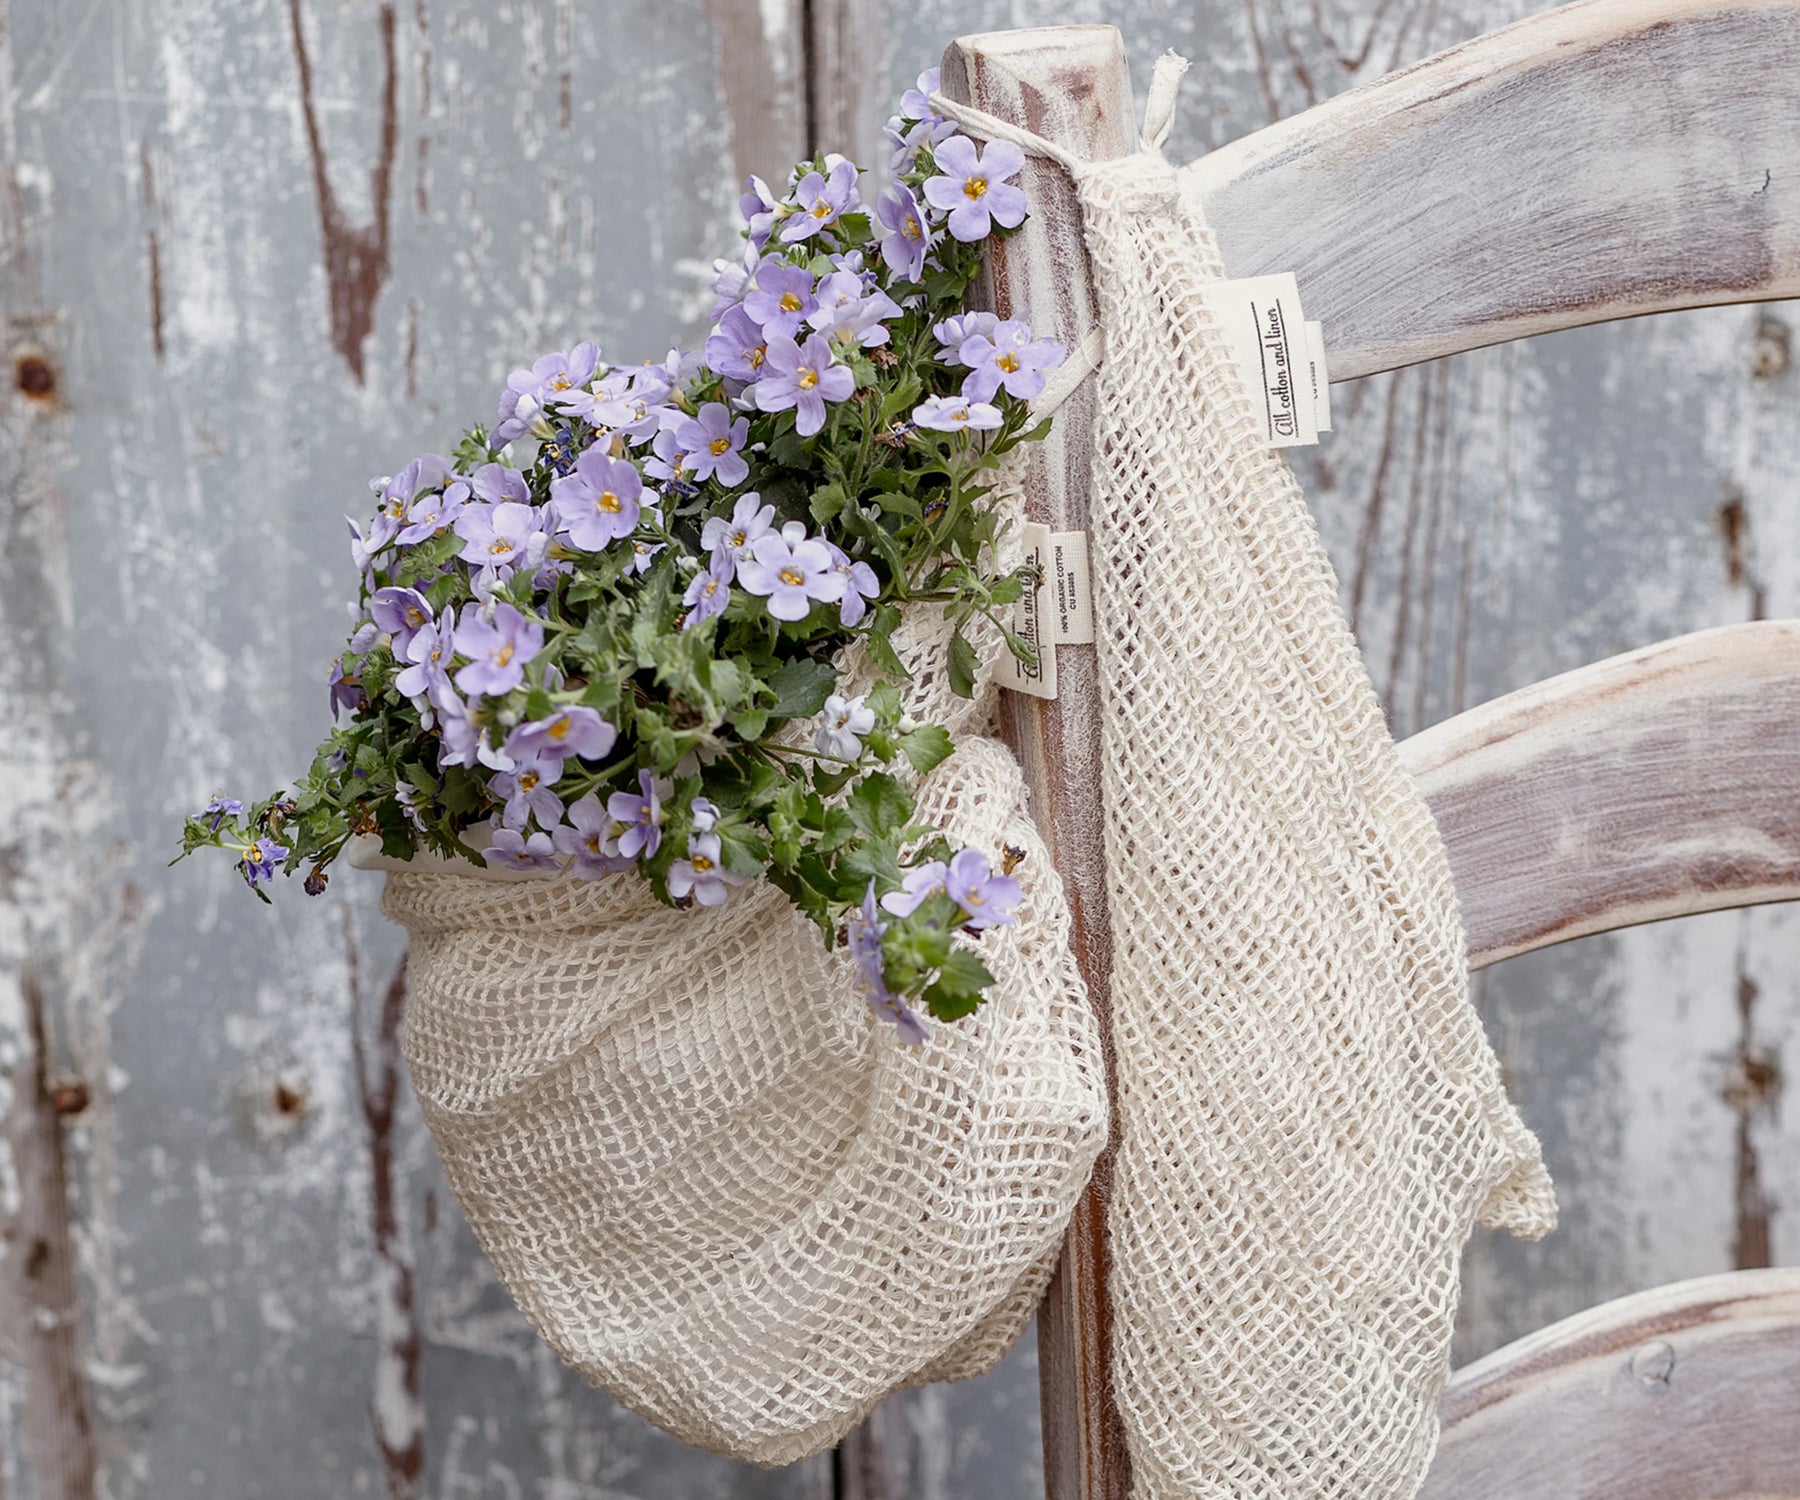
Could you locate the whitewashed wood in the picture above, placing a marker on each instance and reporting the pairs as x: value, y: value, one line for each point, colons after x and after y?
x: 1651, y: 785
x: 1687, y: 1390
x: 1601, y: 160
x: 1070, y: 86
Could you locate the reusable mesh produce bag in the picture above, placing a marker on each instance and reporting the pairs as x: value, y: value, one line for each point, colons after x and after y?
x: 1310, y: 1117
x: 712, y: 1180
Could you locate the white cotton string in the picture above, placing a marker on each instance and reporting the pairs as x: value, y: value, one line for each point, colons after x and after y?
x: 1081, y: 362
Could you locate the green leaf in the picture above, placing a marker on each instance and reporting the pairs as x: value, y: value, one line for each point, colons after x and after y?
x: 880, y: 804
x: 927, y: 746
x: 963, y: 664
x: 958, y: 988
x: 801, y: 687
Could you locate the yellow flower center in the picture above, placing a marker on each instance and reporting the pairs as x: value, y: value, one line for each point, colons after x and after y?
x: 593, y: 843
x: 499, y: 545
x: 911, y: 228
x: 528, y: 780
x: 701, y: 864
x: 792, y: 577
x: 503, y: 656
x: 719, y: 445
x: 974, y: 898
x: 710, y: 587
x: 807, y: 379
x: 961, y: 414
x: 561, y: 383
x: 789, y: 302
x: 756, y: 356
x: 821, y: 210
x: 608, y: 501
x: 415, y: 616
x: 737, y: 539
x: 559, y: 730
x: 975, y: 187
x: 1008, y: 361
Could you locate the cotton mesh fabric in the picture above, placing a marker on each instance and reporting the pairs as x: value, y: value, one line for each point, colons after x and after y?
x: 713, y: 1182
x: 1310, y: 1118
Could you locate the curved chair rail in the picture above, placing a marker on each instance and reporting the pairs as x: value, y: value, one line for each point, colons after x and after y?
x: 1654, y: 784
x: 1601, y: 160
x: 1687, y: 1390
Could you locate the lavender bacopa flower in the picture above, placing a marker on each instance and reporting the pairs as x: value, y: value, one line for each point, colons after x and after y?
x: 258, y: 863
x: 527, y: 790
x: 402, y: 613
x: 498, y: 649
x: 588, y: 839
x: 915, y: 103
x: 1008, y: 358
x: 709, y: 593
x: 918, y: 886
x: 903, y: 246
x: 860, y: 585
x: 760, y: 210
x: 790, y: 570
x: 957, y: 414
x: 643, y: 553
x: 989, y: 900
x: 629, y: 403
x: 574, y: 731
x: 518, y: 851
x: 971, y: 187
x: 738, y: 346
x: 865, y: 931
x: 598, y: 503
x: 641, y: 814
x: 850, y: 313
x: 715, y: 443
x: 496, y: 484
x: 704, y: 815
x: 803, y: 377
x: 669, y: 460
x: 464, y: 727
x: 702, y: 875
x: 842, y: 725
x: 495, y: 536
x: 820, y: 200
x: 781, y: 299
x: 953, y: 333
x: 433, y: 512
x: 219, y: 809
x: 346, y: 689
x: 530, y: 393
x: 750, y: 518
x: 427, y: 655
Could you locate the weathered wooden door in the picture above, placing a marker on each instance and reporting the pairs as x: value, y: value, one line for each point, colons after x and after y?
x: 254, y: 251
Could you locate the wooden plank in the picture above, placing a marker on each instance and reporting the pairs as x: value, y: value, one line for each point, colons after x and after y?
x: 1069, y: 85
x: 1601, y: 160
x: 1687, y: 1390
x: 1647, y: 786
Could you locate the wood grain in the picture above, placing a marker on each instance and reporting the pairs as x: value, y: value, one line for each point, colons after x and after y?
x: 1688, y: 1390
x: 1651, y: 785
x: 1069, y: 85
x: 1598, y: 161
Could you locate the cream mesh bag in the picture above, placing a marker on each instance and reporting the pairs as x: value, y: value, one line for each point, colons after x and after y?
x: 711, y: 1179
x: 1310, y: 1117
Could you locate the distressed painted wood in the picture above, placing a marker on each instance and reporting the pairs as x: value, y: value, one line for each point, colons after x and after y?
x: 1688, y: 1389
x: 1071, y: 87
x: 1601, y: 160
x: 1651, y: 785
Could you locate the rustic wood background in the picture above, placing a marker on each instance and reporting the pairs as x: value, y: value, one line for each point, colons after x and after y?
x: 253, y: 252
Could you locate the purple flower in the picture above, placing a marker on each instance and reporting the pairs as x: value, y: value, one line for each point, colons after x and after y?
x: 903, y: 247
x: 498, y: 649
x: 219, y: 809
x: 573, y: 731
x: 915, y: 103
x: 402, y: 613
x: 526, y: 789
x: 494, y: 535
x: 990, y: 900
x: 803, y: 377
x: 407, y: 795
x: 427, y: 654
x: 702, y: 874
x: 529, y: 393
x: 749, y: 520
x: 626, y: 402
x: 841, y: 726
x: 641, y: 813
x: 715, y: 444
x: 433, y: 512
x: 346, y: 688
x: 670, y: 460
x: 972, y: 187
x: 865, y: 931
x: 643, y: 553
x: 759, y: 207
x: 709, y: 593
x: 953, y: 333
x: 588, y: 838
x: 781, y: 299
x: 704, y: 814
x: 850, y: 313
x: 907, y: 139
x: 464, y: 730
x: 1007, y: 358
x: 819, y: 200
x: 258, y: 863
x: 860, y: 585
x: 956, y: 414
x: 518, y: 852
x: 790, y: 571
x: 738, y: 346
x: 920, y: 884
x: 497, y: 484
x: 598, y: 503
x: 363, y: 549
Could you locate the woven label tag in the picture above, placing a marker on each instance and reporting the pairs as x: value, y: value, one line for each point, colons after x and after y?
x: 1280, y: 357
x: 1058, y: 612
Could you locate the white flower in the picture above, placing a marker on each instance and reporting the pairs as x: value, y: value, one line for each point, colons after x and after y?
x: 840, y: 730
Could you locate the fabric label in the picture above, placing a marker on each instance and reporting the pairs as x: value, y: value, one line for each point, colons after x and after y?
x: 1058, y: 612
x: 1280, y: 356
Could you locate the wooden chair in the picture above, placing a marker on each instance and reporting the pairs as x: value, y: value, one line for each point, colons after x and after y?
x: 1604, y: 160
